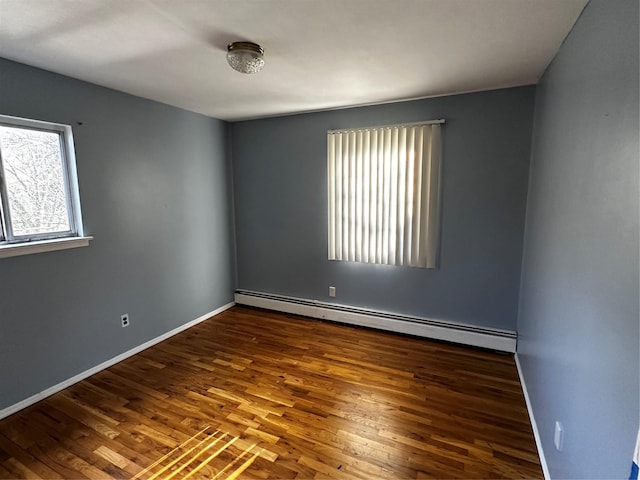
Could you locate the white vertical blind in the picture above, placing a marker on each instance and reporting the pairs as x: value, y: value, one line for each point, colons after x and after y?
x: 384, y: 194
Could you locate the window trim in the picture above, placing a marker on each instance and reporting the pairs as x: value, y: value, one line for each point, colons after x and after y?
x: 41, y: 246
x: 12, y: 245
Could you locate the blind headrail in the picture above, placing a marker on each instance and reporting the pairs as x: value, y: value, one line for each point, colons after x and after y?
x: 395, y: 125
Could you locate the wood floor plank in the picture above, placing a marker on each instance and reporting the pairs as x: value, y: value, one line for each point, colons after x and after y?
x: 286, y: 397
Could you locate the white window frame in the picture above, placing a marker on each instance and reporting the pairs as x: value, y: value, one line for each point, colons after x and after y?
x: 13, y: 245
x: 384, y: 194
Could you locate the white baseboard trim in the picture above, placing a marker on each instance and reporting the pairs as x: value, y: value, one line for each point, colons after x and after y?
x: 87, y: 373
x: 495, y: 339
x: 534, y: 425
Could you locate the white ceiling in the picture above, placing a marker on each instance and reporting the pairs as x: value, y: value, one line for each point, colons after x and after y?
x: 319, y: 53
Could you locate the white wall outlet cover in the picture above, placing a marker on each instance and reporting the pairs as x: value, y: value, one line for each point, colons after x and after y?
x: 332, y: 291
x: 558, y: 436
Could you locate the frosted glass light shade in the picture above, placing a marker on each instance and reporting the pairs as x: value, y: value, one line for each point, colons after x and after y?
x: 245, y: 57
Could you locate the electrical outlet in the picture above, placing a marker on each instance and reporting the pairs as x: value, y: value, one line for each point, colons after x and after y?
x: 124, y: 318
x: 558, y: 436
x: 332, y: 291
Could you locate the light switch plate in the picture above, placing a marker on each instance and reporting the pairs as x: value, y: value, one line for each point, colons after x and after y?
x: 558, y: 436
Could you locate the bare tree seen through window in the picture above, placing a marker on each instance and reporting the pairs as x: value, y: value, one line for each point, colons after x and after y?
x: 33, y: 171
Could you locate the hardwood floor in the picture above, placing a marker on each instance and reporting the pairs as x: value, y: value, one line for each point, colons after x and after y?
x: 261, y: 395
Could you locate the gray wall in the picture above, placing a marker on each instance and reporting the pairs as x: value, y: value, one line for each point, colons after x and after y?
x: 578, y: 320
x: 280, y: 185
x: 155, y: 192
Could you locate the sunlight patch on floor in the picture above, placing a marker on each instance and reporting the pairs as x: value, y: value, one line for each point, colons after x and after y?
x: 209, y: 454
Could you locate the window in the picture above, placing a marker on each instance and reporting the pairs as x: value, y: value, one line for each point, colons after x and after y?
x: 39, y: 200
x: 384, y: 194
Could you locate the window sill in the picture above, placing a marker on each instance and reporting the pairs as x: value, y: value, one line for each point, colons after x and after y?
x: 29, y: 248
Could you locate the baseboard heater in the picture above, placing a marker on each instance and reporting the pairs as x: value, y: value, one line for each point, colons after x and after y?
x: 492, y: 338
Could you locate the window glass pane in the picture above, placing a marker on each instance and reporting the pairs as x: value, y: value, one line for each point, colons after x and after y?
x: 34, y: 178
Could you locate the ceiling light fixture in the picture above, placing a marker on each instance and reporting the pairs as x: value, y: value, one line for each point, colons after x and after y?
x: 245, y: 57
